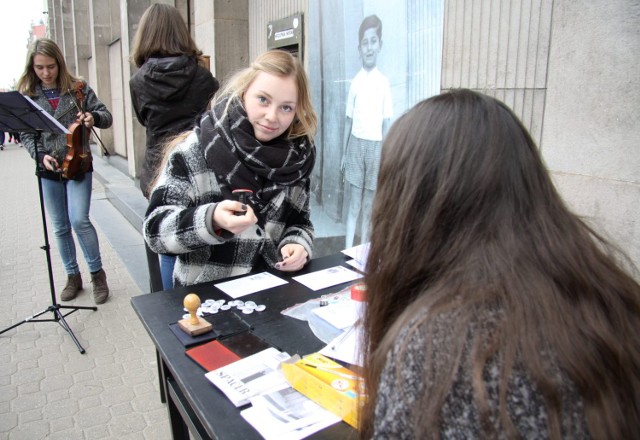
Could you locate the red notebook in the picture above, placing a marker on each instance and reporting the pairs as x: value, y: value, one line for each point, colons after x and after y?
x: 212, y: 355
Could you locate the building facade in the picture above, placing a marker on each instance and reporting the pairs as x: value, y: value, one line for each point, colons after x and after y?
x: 568, y: 69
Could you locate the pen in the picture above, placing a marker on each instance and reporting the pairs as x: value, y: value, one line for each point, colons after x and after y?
x: 329, y: 370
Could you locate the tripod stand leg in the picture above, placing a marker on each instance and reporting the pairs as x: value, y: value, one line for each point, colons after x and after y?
x: 28, y: 319
x: 64, y: 325
x: 58, y: 317
x: 94, y: 308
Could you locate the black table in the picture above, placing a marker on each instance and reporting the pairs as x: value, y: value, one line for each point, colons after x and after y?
x: 195, y: 405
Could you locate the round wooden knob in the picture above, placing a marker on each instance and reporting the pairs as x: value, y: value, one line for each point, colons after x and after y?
x: 191, y: 303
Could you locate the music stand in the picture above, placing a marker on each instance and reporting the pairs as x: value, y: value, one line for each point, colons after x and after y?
x: 20, y: 113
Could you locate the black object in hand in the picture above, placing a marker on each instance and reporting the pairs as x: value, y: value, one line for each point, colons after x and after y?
x: 242, y: 196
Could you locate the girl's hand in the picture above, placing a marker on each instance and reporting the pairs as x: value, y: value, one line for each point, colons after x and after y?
x: 50, y: 163
x: 294, y: 257
x: 233, y: 216
x: 86, y: 118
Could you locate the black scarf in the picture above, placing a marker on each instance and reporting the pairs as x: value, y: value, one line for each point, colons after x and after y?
x: 240, y: 161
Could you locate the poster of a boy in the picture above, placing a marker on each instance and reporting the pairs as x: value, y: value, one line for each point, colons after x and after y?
x: 368, y: 117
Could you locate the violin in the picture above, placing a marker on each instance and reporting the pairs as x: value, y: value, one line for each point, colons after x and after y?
x: 78, y: 158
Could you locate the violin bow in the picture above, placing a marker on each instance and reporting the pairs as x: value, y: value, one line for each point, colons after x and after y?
x: 93, y: 130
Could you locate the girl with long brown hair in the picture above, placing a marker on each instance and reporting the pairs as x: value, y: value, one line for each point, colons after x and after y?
x: 170, y: 91
x: 493, y: 311
x: 47, y: 80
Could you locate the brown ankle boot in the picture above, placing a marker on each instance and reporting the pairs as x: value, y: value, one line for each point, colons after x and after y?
x: 74, y: 285
x: 100, y: 288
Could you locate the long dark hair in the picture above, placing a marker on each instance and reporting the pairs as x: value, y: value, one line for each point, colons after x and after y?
x: 467, y: 223
x: 162, y: 32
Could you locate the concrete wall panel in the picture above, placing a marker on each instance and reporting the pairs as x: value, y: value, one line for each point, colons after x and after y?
x: 592, y: 123
x: 231, y: 54
x: 221, y: 31
x: 81, y: 35
x: 204, y: 32
x: 610, y: 207
x: 117, y: 98
x: 591, y: 136
x: 499, y: 47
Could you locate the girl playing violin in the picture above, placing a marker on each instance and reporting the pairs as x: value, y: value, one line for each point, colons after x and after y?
x: 47, y: 81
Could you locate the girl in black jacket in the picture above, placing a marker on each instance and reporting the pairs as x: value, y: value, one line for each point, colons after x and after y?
x: 169, y: 91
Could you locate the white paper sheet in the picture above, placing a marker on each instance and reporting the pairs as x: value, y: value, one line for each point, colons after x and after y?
x: 250, y: 284
x: 346, y: 347
x: 328, y: 277
x: 356, y: 265
x: 341, y: 314
x: 360, y: 254
x: 250, y: 376
x: 286, y: 414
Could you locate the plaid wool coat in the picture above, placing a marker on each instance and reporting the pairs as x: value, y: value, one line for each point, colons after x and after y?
x: 178, y: 221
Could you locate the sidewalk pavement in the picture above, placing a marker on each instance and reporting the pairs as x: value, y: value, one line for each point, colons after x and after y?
x: 48, y: 389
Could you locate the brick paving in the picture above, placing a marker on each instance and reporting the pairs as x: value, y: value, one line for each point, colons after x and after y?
x: 48, y: 389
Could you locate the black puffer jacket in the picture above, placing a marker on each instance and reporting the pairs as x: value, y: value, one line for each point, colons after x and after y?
x: 168, y: 96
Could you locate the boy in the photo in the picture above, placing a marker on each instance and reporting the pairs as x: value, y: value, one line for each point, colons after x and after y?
x: 368, y: 117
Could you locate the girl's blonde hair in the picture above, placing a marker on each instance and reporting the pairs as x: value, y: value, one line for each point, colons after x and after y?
x: 29, y: 80
x: 283, y: 64
x: 276, y: 62
x: 167, y: 147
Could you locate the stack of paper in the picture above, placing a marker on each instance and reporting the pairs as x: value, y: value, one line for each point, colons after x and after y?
x: 285, y: 414
x: 278, y: 411
x: 250, y: 376
x: 359, y: 255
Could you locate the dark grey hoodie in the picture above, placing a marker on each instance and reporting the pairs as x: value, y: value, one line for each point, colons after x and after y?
x: 168, y: 95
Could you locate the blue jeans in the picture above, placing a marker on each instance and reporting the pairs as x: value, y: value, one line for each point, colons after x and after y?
x: 67, y: 205
x: 167, y: 262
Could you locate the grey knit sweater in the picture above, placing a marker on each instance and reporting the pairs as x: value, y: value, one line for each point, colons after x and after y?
x: 402, y: 385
